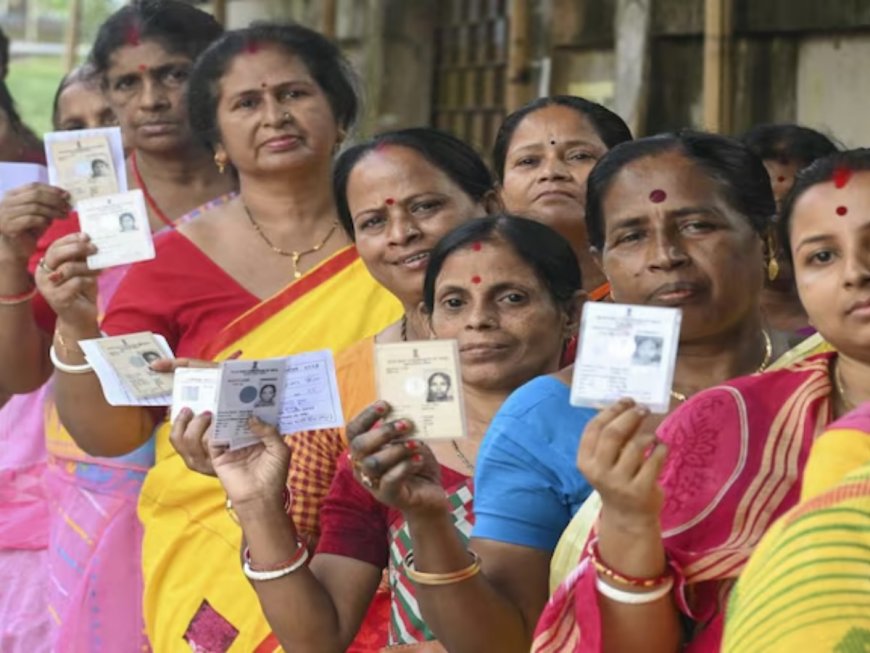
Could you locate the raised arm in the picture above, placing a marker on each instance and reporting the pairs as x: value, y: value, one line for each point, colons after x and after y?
x: 25, y: 214
x: 623, y: 463
x: 311, y: 609
x: 486, y: 601
x: 71, y: 289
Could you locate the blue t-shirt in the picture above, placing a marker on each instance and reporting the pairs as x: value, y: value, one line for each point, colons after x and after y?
x: 527, y: 486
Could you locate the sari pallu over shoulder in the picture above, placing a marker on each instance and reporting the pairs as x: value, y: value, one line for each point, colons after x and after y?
x: 195, y: 593
x: 735, y: 461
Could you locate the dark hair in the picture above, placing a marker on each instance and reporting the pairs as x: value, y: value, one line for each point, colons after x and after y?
x: 453, y: 157
x: 269, y: 385
x: 324, y: 61
x: 549, y: 254
x: 4, y: 50
x: 177, y: 26
x: 791, y: 143
x: 741, y: 175
x: 611, y: 129
x: 7, y: 105
x: 84, y: 74
x: 819, y: 172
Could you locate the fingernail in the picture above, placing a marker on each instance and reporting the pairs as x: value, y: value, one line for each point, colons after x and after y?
x: 185, y: 412
x: 208, y: 414
x: 380, y: 409
x: 84, y: 237
x: 643, y: 411
x: 412, y: 445
x: 54, y: 277
x: 417, y: 458
x: 402, y: 426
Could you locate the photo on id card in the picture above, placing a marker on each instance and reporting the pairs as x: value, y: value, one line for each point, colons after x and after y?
x: 118, y: 226
x: 248, y: 389
x: 83, y: 166
x: 626, y: 351
x: 130, y: 356
x: 422, y: 382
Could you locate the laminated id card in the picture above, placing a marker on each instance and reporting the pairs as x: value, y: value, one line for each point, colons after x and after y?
x: 626, y: 351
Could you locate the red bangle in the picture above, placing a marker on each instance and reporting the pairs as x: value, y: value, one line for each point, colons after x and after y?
x: 301, y: 550
x: 621, y: 579
x: 13, y: 300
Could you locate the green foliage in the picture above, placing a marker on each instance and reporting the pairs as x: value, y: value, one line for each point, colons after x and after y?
x: 33, y: 82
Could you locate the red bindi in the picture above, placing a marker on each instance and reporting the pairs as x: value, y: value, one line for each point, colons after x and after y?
x: 475, y: 279
x: 133, y: 35
x: 842, y: 210
x: 841, y: 177
x: 252, y: 47
x: 142, y: 67
x: 658, y: 196
x: 780, y: 179
x: 389, y: 201
x: 476, y: 246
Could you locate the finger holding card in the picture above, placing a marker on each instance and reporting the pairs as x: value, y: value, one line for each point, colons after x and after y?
x: 26, y: 212
x: 72, y: 292
x: 190, y: 438
x: 254, y: 473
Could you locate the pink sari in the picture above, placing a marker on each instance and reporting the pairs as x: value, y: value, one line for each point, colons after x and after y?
x: 70, y: 539
x: 736, y: 455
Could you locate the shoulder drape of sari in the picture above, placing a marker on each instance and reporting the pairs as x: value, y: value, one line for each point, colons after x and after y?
x: 195, y: 592
x: 575, y: 537
x: 807, y: 585
x: 735, y: 458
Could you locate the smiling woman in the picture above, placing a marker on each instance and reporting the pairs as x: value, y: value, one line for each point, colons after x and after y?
x: 266, y: 272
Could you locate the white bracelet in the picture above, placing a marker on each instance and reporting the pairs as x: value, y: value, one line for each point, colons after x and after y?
x: 277, y: 573
x: 64, y: 367
x: 634, y: 598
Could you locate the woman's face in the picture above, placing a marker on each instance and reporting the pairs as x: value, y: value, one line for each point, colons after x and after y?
x: 508, y: 327
x: 672, y: 240
x: 272, y: 115
x: 401, y: 206
x: 831, y: 255
x: 146, y: 86
x: 439, y: 387
x: 83, y: 106
x: 549, y: 158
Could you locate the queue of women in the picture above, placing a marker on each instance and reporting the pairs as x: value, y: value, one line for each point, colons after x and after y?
x: 738, y: 522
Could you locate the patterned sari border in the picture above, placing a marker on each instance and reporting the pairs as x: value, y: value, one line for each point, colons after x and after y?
x: 268, y: 308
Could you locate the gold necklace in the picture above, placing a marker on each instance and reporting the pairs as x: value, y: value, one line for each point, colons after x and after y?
x: 841, y: 389
x: 768, y: 353
x: 462, y: 457
x: 294, y: 255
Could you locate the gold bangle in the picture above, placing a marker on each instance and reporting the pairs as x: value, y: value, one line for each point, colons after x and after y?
x: 425, y: 578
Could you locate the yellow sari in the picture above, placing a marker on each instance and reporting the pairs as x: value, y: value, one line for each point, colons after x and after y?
x: 195, y: 593
x: 807, y: 585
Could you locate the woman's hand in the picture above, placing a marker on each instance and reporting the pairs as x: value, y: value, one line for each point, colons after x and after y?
x: 255, y: 474
x: 623, y: 464
x: 398, y: 472
x: 66, y: 282
x: 25, y: 213
x: 169, y: 365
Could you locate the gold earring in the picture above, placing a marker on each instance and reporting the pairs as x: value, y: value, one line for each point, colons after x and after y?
x: 772, y: 263
x: 220, y: 162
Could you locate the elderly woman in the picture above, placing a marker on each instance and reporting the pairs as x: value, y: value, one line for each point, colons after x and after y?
x: 677, y: 221
x: 506, y: 288
x: 543, y: 155
x: 266, y: 273
x: 683, y: 510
